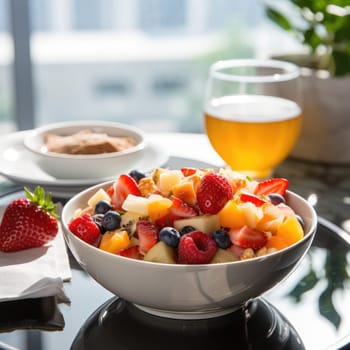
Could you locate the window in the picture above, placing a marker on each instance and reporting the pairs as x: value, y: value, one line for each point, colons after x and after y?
x: 3, y: 16
x: 103, y: 59
x: 162, y: 16
x: 40, y: 15
x: 7, y: 119
x: 168, y: 85
x: 112, y: 88
x: 87, y: 15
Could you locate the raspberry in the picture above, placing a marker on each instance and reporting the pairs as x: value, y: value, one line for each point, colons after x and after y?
x: 196, y: 247
x: 213, y: 192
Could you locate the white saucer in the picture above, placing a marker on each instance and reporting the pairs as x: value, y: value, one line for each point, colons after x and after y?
x: 17, y: 165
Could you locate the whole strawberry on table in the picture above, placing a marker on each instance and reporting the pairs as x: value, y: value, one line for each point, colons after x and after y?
x: 189, y: 216
x: 28, y: 222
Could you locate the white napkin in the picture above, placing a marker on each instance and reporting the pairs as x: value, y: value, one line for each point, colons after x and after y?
x: 36, y: 272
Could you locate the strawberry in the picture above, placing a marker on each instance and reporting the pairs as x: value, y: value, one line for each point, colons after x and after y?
x: 273, y: 185
x: 166, y: 220
x: 181, y: 209
x: 85, y: 228
x: 132, y: 252
x: 246, y: 237
x: 121, y: 188
x: 196, y: 247
x: 213, y: 192
x: 28, y: 222
x: 247, y: 197
x: 147, y: 234
x: 188, y: 171
x: 178, y: 210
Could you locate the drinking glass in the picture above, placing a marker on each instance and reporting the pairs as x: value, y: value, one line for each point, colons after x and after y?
x: 252, y: 113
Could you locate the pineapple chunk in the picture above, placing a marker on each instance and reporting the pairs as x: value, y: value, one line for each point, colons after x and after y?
x: 156, y: 174
x: 236, y: 179
x: 168, y: 179
x: 161, y: 253
x: 160, y: 199
x: 204, y: 223
x: 271, y: 220
x: 136, y: 204
x: 252, y: 214
x: 81, y: 212
x: 100, y: 195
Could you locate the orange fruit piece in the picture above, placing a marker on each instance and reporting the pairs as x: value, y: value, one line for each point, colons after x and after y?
x: 158, y: 209
x: 276, y: 242
x: 231, y: 215
x: 291, y: 230
x: 113, y: 241
x: 288, y: 233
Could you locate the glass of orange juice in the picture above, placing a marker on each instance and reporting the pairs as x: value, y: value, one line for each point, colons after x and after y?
x: 252, y: 113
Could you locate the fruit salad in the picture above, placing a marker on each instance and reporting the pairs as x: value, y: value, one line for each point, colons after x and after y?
x: 189, y: 216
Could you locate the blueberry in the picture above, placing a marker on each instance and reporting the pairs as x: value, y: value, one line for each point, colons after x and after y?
x: 102, y: 207
x: 276, y: 198
x: 137, y: 175
x: 98, y: 221
x: 170, y: 236
x: 221, y: 238
x: 111, y: 220
x: 186, y: 229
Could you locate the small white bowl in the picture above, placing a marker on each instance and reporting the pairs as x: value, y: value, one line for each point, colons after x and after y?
x: 188, y: 291
x: 89, y: 166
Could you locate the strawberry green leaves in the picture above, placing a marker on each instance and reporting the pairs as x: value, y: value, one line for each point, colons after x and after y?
x: 39, y: 198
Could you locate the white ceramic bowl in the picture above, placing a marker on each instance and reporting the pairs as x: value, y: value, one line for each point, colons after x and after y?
x: 188, y: 291
x: 90, y: 166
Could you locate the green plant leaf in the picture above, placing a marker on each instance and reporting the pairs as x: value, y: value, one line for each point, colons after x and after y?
x: 316, y: 25
x: 312, y: 39
x: 278, y: 18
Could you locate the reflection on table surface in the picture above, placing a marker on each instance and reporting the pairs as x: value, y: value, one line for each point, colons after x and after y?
x: 311, y: 298
x: 314, y: 294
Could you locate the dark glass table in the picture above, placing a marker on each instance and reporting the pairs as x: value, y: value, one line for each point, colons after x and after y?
x: 309, y: 310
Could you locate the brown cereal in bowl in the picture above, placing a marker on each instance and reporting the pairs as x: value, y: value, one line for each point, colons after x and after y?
x: 87, y: 142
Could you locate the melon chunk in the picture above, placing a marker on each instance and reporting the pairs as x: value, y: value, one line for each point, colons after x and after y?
x: 161, y: 253
x: 222, y: 256
x: 204, y: 223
